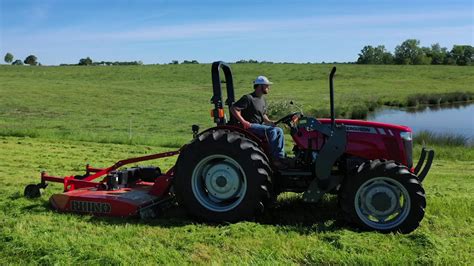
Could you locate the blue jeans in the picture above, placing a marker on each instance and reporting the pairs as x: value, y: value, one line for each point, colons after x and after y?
x: 274, y: 136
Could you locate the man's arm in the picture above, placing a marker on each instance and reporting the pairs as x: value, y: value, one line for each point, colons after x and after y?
x: 238, y: 114
x: 268, y: 121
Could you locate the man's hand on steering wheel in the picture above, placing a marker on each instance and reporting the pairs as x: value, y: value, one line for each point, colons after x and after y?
x: 288, y: 118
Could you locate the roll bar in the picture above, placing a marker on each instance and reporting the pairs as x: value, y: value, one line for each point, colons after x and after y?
x: 218, y: 111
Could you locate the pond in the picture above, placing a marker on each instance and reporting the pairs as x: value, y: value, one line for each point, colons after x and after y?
x: 453, y: 118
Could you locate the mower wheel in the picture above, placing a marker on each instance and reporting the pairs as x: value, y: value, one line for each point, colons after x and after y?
x: 383, y: 196
x: 222, y: 176
x: 32, y: 191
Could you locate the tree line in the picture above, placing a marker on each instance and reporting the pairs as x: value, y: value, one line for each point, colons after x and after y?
x: 29, y: 60
x: 407, y: 53
x: 89, y: 62
x: 410, y: 53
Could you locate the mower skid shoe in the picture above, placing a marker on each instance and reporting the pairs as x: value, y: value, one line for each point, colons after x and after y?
x: 429, y: 156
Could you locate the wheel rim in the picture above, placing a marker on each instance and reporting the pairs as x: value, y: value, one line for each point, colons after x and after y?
x: 382, y: 203
x: 219, y: 183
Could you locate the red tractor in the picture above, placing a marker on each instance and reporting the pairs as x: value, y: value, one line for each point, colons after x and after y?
x: 225, y: 173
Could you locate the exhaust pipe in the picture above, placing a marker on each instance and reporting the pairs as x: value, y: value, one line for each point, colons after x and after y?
x: 331, y: 93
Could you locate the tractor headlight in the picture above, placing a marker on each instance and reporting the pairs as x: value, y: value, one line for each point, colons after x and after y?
x: 406, y: 135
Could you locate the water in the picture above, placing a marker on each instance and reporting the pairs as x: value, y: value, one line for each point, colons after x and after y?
x: 457, y: 119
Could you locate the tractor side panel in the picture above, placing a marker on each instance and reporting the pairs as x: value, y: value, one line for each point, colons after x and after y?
x: 375, y: 146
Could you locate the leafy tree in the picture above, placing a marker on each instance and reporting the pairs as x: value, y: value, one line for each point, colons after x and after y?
x: 250, y: 61
x: 437, y: 53
x: 190, y: 62
x: 462, y: 54
x: 31, y: 60
x: 387, y: 58
x: 8, y: 58
x: 17, y: 62
x: 409, y: 53
x: 85, y: 61
x: 367, y: 55
x: 375, y: 55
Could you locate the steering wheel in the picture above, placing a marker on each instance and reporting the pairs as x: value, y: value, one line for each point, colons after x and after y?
x: 286, y: 119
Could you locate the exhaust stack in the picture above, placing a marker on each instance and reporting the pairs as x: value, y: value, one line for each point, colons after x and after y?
x: 331, y: 93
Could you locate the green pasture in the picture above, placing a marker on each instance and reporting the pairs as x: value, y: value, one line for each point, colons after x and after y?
x: 60, y: 118
x: 156, y: 105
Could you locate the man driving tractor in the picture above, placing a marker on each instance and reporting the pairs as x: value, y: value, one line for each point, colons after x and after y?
x: 251, y: 112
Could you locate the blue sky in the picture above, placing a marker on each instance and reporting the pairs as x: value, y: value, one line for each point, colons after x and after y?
x: 60, y: 31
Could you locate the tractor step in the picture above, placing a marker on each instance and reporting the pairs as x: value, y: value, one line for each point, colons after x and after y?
x: 295, y: 172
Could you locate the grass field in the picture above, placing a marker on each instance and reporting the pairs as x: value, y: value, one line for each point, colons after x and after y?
x: 60, y: 118
x: 160, y: 103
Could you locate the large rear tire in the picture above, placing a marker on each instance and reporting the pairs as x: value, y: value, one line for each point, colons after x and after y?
x: 222, y: 176
x: 383, y: 196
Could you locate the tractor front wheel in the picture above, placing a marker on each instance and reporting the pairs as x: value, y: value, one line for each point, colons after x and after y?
x: 384, y: 196
x: 223, y: 176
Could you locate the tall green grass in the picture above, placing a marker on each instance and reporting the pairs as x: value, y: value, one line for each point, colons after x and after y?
x: 444, y: 139
x: 439, y: 98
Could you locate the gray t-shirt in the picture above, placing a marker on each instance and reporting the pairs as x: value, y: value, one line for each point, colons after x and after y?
x: 252, y: 107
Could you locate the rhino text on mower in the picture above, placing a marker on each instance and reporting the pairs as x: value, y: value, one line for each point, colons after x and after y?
x: 225, y: 173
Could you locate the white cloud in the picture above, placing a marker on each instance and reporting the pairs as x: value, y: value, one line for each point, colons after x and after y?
x: 252, y: 28
x: 343, y: 34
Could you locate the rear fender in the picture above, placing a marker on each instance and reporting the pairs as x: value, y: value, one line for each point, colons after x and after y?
x: 263, y: 144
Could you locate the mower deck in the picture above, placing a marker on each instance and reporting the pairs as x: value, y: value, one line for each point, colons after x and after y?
x: 138, y: 191
x: 136, y: 201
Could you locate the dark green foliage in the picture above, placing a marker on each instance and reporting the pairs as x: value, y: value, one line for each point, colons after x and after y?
x: 278, y: 109
x: 359, y: 112
x: 438, y: 98
x: 31, y: 60
x: 463, y: 55
x: 190, y: 62
x: 250, y: 61
x: 85, y: 61
x: 88, y: 62
x: 8, y: 58
x: 17, y: 62
x: 375, y: 55
x: 410, y: 53
x: 437, y: 53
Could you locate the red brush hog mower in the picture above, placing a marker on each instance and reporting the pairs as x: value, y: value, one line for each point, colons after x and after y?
x: 225, y: 174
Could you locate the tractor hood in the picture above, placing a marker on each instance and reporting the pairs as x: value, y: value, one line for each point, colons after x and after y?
x: 367, y: 126
x: 372, y: 140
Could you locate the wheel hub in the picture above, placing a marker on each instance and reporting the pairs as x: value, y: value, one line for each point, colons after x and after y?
x: 382, y: 203
x: 219, y: 183
x: 222, y: 180
x: 380, y: 199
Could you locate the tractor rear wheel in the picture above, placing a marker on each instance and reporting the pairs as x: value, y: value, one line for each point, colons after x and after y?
x: 222, y: 176
x: 383, y: 196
